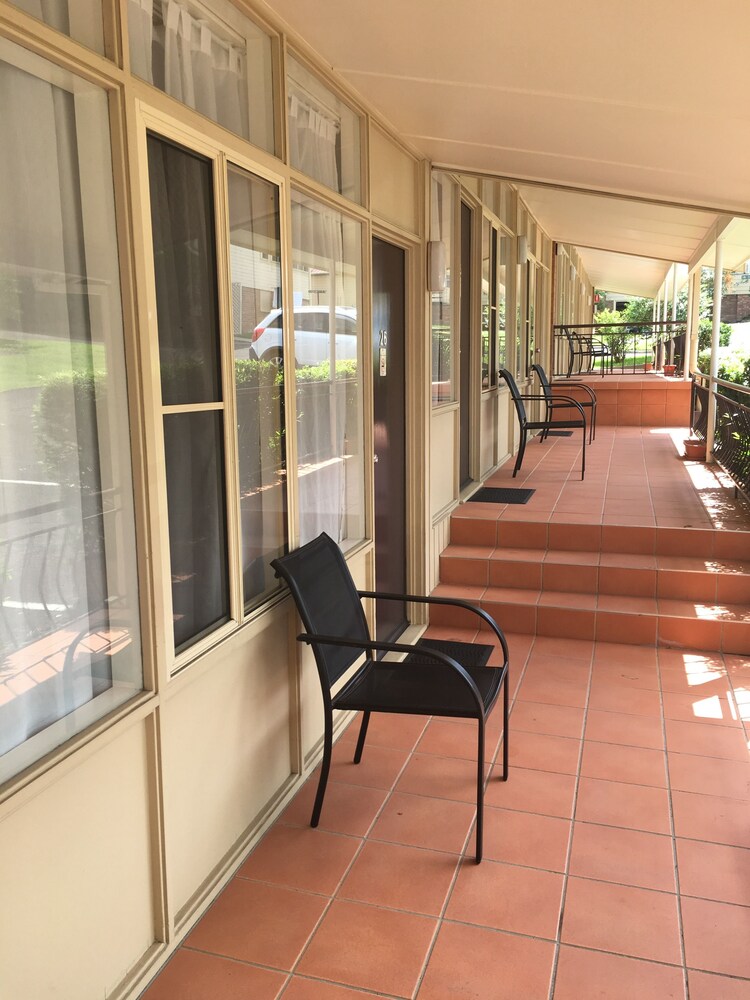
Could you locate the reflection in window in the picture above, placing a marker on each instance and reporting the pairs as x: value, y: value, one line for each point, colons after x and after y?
x: 255, y: 256
x: 441, y: 230
x: 324, y: 133
x: 327, y: 256
x: 79, y: 19
x: 187, y: 315
x: 502, y: 279
x: 214, y: 60
x: 69, y: 624
x: 489, y: 304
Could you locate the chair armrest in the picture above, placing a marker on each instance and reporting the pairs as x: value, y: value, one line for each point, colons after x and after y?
x: 453, y: 601
x: 398, y: 647
x: 569, y: 401
x: 578, y: 385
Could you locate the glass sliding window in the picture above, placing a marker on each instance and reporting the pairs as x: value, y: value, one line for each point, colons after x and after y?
x: 209, y: 56
x: 327, y: 262
x: 69, y: 626
x: 489, y: 305
x: 255, y: 257
x: 503, y: 252
x: 78, y: 19
x: 443, y: 209
x: 182, y: 222
x: 324, y: 133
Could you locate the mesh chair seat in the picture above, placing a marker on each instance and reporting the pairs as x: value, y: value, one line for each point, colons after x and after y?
x: 418, y: 688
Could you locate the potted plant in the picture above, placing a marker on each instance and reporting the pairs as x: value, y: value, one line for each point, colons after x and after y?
x: 695, y: 449
x: 669, y: 370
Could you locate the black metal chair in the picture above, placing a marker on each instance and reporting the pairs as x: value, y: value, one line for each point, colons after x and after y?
x: 426, y: 682
x: 584, y: 352
x: 548, y: 424
x: 553, y: 398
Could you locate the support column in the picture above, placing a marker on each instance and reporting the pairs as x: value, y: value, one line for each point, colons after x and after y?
x: 672, y: 328
x: 666, y: 351
x: 718, y: 282
x: 693, y: 320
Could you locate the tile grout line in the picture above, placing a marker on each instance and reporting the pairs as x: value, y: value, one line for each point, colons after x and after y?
x: 462, y: 857
x: 678, y: 896
x: 333, y: 896
x: 566, y: 873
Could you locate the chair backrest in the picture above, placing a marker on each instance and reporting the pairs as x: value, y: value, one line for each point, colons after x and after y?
x: 543, y: 380
x: 514, y: 394
x: 327, y: 601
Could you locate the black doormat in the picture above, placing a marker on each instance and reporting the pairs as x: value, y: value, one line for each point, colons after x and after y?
x: 501, y: 494
x: 468, y: 654
x: 560, y: 434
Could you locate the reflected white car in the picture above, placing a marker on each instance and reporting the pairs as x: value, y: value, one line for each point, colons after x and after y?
x: 311, y: 335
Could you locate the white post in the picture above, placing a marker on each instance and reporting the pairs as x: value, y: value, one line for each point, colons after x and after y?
x: 665, y: 316
x: 693, y: 321
x: 718, y: 282
x: 672, y: 329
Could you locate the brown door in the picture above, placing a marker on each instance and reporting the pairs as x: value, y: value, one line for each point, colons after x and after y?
x: 464, y: 366
x: 388, y: 354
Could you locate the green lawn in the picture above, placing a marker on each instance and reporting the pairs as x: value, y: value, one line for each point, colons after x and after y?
x: 27, y: 362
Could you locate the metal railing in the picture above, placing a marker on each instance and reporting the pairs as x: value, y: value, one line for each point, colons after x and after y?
x: 618, y: 348
x: 731, y: 447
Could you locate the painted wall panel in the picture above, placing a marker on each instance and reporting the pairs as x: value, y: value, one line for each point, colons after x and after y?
x: 442, y: 465
x: 75, y: 870
x: 226, y: 751
x: 394, y: 182
x: 488, y: 431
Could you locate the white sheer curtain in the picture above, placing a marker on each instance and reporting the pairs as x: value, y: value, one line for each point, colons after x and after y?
x: 312, y: 142
x: 327, y: 246
x: 184, y: 54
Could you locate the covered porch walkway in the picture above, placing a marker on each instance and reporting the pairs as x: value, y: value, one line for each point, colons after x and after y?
x: 617, y: 857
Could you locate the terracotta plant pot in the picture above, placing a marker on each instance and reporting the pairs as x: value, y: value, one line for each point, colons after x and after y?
x: 695, y: 451
x: 647, y: 366
x: 669, y: 369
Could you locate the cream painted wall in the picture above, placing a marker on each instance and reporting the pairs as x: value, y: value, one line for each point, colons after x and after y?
x: 488, y: 430
x: 394, y: 182
x: 226, y: 746
x: 443, y: 453
x: 77, y: 907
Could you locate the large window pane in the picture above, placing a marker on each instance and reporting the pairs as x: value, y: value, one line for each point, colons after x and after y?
x: 79, y: 19
x: 441, y: 232
x: 69, y: 627
x: 182, y: 222
x: 255, y: 255
x: 502, y: 281
x: 324, y: 133
x: 189, y: 354
x: 209, y: 56
x: 327, y: 256
x: 194, y: 451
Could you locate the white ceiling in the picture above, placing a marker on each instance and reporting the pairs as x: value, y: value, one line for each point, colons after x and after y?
x: 637, y: 98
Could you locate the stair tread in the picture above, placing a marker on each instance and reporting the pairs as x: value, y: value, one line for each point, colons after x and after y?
x: 614, y: 560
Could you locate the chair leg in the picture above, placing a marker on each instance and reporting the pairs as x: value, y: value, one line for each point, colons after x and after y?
x: 480, y: 788
x: 361, y: 738
x: 521, y: 450
x: 583, y: 453
x: 506, y: 712
x: 324, y: 768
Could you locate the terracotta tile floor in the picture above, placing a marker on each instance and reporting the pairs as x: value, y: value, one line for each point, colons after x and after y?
x: 634, y: 476
x: 617, y: 856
